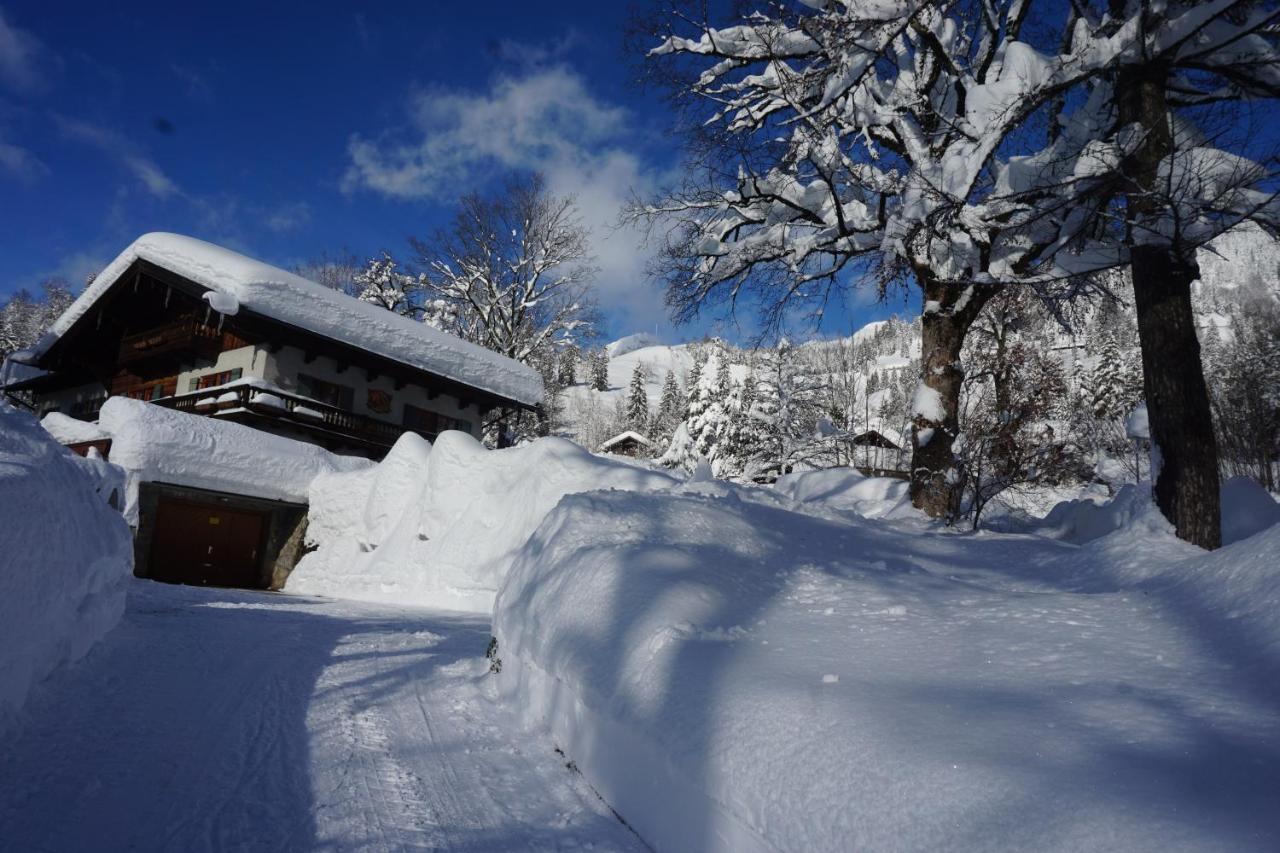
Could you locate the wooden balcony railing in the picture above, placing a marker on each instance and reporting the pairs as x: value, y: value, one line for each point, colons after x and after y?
x: 185, y: 337
x: 287, y: 407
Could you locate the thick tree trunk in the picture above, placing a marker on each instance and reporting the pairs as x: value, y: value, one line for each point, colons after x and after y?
x: 1186, y: 482
x: 949, y: 311
x: 1178, y: 408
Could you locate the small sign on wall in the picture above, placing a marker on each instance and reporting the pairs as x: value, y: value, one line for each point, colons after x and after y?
x: 379, y: 401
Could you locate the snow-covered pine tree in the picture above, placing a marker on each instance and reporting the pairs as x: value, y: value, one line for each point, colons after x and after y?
x: 637, y: 414
x: 598, y: 369
x: 568, y: 365
x: 670, y: 409
x: 1107, y: 384
x: 694, y: 381
x: 710, y: 418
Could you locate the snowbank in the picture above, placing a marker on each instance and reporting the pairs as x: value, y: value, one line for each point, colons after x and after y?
x: 731, y: 676
x: 1247, y: 509
x: 68, y: 430
x: 846, y: 489
x: 66, y: 558
x: 439, y: 526
x: 155, y: 444
x: 241, y: 283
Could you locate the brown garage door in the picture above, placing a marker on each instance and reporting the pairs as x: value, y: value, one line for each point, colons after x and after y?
x: 207, y: 545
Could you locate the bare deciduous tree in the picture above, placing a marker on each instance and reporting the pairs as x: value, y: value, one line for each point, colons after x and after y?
x: 518, y: 266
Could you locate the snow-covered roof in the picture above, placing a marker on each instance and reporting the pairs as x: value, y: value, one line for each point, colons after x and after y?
x: 155, y: 444
x: 237, y: 281
x: 624, y: 436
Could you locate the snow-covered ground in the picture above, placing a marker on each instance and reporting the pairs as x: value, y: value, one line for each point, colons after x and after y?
x: 217, y: 720
x: 810, y: 666
x: 735, y: 671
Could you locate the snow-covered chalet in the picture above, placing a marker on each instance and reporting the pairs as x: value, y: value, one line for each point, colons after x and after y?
x: 204, y: 331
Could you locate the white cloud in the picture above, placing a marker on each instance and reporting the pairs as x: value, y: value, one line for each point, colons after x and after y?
x: 21, y: 162
x: 21, y: 57
x: 547, y: 120
x: 151, y: 176
x: 288, y: 217
x: 535, y: 53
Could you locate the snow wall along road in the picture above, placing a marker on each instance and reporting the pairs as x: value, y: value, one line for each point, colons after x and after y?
x: 65, y: 557
x: 439, y: 525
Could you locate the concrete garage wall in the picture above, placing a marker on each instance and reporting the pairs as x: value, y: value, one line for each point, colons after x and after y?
x: 286, y: 526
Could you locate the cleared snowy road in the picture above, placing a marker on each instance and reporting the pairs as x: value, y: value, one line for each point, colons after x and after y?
x: 216, y: 720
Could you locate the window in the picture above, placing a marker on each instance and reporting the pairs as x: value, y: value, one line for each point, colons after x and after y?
x: 332, y: 393
x: 431, y: 423
x: 213, y: 380
x: 149, y: 390
x: 87, y: 409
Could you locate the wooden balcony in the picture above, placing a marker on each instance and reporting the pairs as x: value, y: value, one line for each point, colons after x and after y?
x: 187, y: 338
x: 289, y: 410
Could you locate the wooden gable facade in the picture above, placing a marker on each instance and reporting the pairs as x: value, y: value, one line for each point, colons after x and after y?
x: 153, y: 337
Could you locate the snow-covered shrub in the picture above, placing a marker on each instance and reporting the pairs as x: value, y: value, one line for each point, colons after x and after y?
x: 440, y: 525
x: 67, y: 556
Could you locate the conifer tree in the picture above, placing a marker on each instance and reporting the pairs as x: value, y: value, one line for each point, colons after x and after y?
x: 637, y: 414
x: 670, y: 408
x: 1107, y: 381
x: 598, y: 366
x: 567, y: 367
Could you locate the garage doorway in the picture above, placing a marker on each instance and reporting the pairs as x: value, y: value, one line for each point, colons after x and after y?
x: 208, y: 545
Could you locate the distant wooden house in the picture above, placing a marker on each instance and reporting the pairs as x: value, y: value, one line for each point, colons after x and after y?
x: 874, y: 438
x: 629, y: 443
x: 880, y: 453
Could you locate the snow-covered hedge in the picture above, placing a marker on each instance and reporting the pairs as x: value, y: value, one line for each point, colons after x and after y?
x: 65, y: 557
x: 440, y: 525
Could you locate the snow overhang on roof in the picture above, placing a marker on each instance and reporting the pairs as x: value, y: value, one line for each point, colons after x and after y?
x: 241, y: 282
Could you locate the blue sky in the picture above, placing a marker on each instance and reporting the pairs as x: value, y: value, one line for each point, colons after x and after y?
x: 285, y: 130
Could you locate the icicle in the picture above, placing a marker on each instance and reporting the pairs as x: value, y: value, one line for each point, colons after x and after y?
x: 206, y: 316
x: 168, y: 291
x: 221, y: 317
x: 98, y: 322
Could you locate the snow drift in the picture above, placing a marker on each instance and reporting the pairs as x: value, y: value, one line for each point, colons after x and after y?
x: 734, y: 676
x: 155, y: 444
x: 846, y: 489
x: 1247, y: 509
x: 440, y: 525
x: 66, y: 557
